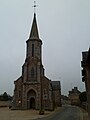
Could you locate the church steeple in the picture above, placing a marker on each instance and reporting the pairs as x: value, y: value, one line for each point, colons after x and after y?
x: 34, y: 43
x: 34, y: 29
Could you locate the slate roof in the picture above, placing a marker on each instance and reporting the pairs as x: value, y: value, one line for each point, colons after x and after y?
x: 55, y: 85
x: 34, y: 29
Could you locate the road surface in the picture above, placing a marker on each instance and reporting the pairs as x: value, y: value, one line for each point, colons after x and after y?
x: 65, y: 113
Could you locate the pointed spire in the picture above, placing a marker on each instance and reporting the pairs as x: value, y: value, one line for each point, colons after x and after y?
x: 34, y: 29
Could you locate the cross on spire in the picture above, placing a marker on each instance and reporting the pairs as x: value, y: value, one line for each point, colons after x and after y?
x: 34, y: 6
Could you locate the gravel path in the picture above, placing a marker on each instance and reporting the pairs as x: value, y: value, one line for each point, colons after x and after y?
x: 7, y: 114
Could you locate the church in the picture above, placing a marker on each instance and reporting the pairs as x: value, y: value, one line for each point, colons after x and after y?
x: 33, y: 89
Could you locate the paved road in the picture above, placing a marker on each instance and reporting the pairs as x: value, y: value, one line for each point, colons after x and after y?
x: 65, y: 113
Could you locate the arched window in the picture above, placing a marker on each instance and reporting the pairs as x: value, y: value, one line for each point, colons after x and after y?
x: 32, y: 72
x: 32, y: 50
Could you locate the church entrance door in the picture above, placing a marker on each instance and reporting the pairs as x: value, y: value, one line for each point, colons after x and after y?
x: 32, y: 103
x: 31, y: 99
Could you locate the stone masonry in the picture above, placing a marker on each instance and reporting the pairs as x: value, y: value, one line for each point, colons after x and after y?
x: 33, y: 89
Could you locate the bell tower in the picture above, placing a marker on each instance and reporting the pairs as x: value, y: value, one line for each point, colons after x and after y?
x: 34, y: 43
x: 33, y: 68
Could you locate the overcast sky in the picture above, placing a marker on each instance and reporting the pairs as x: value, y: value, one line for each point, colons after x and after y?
x: 64, y: 27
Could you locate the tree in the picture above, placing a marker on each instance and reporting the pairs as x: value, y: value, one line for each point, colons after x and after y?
x: 83, y: 97
x: 5, y: 97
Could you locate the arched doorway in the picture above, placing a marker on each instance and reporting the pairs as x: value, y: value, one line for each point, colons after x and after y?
x: 32, y: 103
x: 31, y: 99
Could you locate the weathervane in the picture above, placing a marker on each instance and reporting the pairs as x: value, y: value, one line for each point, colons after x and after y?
x: 34, y: 6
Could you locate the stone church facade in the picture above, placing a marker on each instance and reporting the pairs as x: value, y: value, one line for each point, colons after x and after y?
x: 33, y: 89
